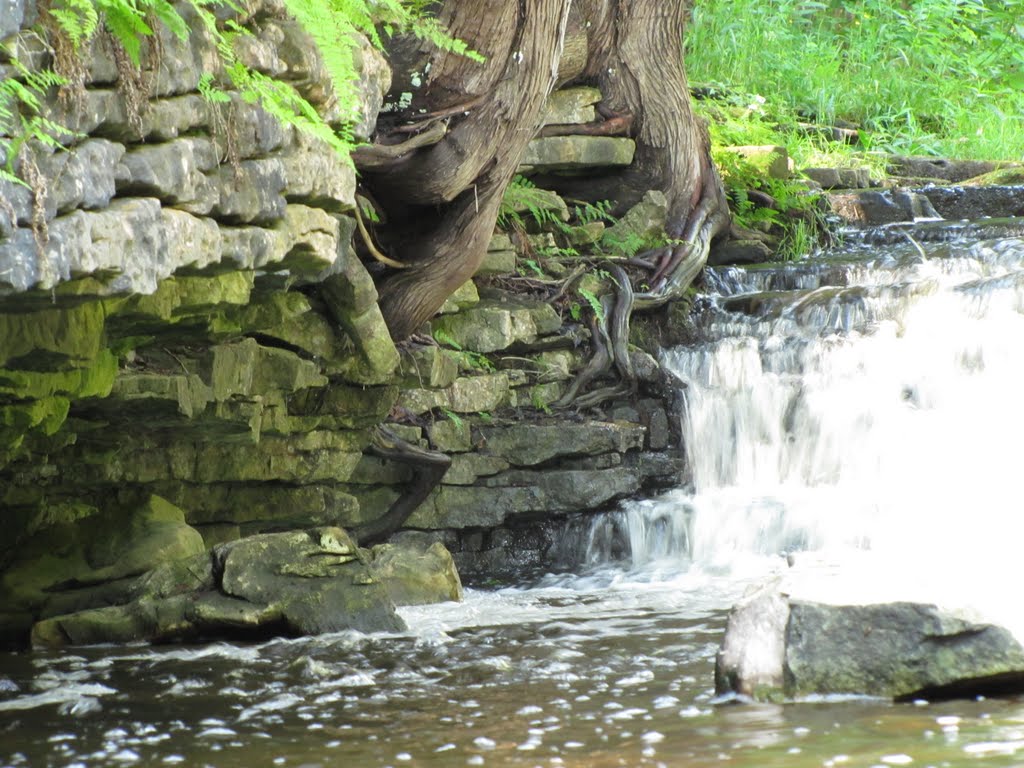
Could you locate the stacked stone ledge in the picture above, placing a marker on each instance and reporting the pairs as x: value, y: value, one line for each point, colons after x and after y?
x: 192, y: 360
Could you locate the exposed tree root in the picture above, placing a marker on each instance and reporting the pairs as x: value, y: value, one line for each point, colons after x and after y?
x: 428, y: 468
x: 381, y: 156
x: 675, y: 266
x: 368, y: 242
x: 620, y: 125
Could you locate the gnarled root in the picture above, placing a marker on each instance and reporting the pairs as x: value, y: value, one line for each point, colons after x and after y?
x: 676, y: 266
x: 609, y: 334
x: 428, y: 468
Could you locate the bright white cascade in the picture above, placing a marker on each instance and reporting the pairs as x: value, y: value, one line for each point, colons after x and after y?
x: 882, y: 415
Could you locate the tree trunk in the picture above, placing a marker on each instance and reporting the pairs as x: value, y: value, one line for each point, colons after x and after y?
x: 442, y: 200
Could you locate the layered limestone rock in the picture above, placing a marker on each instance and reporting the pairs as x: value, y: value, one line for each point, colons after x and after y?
x: 193, y: 361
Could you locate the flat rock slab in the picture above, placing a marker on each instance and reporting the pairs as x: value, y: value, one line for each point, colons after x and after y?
x: 810, y: 632
x: 292, y: 583
x: 576, y: 153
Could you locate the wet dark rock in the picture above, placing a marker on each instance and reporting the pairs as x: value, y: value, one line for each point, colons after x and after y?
x: 881, y: 207
x: 939, y: 168
x: 740, y: 252
x: 958, y: 203
x: 780, y: 645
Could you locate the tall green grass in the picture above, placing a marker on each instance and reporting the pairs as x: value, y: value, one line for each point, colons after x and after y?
x: 941, y: 77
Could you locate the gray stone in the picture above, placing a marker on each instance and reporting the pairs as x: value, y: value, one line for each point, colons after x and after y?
x: 317, y: 175
x: 839, y: 178
x: 467, y: 468
x: 577, y: 153
x: 253, y: 192
x: 544, y: 202
x: 250, y: 131
x: 180, y: 63
x: 315, y: 578
x: 531, y: 444
x: 374, y: 82
x: 313, y: 238
x: 12, y: 15
x: 469, y: 394
x: 881, y: 207
x: 416, y: 571
x: 958, y: 203
x: 739, y: 252
x: 641, y: 226
x: 571, y: 106
x: 429, y: 368
x: 98, y: 549
x: 464, y: 297
x: 517, y: 493
x: 494, y: 325
x: 450, y: 436
x: 781, y: 642
x: 132, y: 239
x: 83, y: 177
x: 175, y: 172
x: 497, y: 263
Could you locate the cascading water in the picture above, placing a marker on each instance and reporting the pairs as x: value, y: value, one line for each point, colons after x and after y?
x: 867, y: 402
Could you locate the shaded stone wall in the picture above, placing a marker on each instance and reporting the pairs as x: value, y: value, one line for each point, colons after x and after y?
x: 191, y: 351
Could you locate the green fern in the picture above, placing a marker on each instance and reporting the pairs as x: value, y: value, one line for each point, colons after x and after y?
x: 20, y: 118
x: 593, y: 301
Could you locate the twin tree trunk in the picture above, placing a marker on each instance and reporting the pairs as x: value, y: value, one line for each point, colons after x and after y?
x: 442, y: 200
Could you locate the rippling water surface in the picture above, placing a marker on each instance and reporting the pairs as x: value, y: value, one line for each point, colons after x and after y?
x: 862, y: 403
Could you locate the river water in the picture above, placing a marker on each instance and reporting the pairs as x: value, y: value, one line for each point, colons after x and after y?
x: 864, y: 402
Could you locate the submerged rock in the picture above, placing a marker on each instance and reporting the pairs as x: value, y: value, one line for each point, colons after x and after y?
x: 780, y: 644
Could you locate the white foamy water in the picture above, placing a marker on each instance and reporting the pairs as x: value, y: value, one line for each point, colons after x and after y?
x: 856, y: 421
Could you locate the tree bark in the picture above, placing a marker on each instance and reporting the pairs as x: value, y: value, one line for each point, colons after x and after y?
x: 442, y: 200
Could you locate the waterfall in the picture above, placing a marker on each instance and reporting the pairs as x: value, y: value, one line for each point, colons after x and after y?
x: 863, y: 402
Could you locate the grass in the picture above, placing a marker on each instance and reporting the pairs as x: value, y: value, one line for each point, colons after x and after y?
x: 932, y: 77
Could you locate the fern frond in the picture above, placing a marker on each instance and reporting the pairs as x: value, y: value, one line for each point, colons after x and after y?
x: 78, y: 19
x: 126, y: 23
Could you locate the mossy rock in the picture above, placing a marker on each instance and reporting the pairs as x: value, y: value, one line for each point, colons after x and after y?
x: 100, y: 548
x: 52, y: 339
x: 415, y: 571
x: 1001, y: 177
x: 93, y: 380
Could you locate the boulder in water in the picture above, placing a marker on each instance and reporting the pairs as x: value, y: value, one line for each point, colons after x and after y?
x: 289, y: 583
x: 779, y: 644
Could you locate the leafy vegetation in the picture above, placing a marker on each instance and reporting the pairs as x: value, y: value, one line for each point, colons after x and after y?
x: 941, y: 77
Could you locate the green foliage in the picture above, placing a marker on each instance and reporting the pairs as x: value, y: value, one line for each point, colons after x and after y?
x: 797, y: 218
x: 467, y: 357
x: 523, y: 195
x: 593, y: 301
x: 538, y: 402
x: 453, y: 417
x: 20, y: 117
x: 928, y: 76
x: 587, y: 213
x: 628, y: 244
